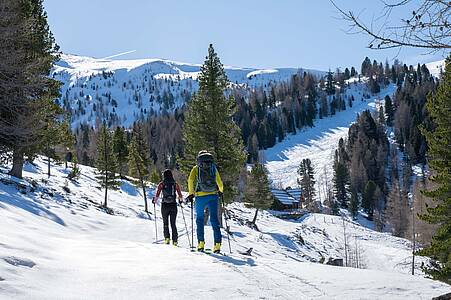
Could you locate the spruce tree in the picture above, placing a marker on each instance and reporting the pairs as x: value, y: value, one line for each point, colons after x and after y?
x: 258, y: 194
x: 307, y: 181
x: 341, y: 181
x: 330, y: 84
x: 155, y: 177
x: 354, y: 204
x: 439, y: 157
x: 368, y: 201
x: 106, y: 163
x: 120, y: 149
x: 388, y: 110
x: 27, y: 55
x: 209, y: 125
x: 53, y: 133
x: 138, y: 160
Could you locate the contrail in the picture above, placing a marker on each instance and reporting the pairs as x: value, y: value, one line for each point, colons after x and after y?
x: 116, y: 55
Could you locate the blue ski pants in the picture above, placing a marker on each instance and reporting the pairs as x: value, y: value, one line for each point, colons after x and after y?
x: 201, y: 202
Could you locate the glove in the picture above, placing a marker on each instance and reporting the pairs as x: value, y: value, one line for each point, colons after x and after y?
x: 154, y: 201
x: 190, y: 198
x: 180, y: 201
x: 220, y: 194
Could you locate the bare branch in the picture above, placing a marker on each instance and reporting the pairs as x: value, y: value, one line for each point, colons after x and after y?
x: 427, y: 26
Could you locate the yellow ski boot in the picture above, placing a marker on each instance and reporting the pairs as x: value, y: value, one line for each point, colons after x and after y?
x: 201, y: 246
x: 217, y: 248
x: 174, y: 243
x: 167, y: 241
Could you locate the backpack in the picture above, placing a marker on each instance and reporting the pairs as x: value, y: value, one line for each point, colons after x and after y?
x: 206, y: 173
x: 169, y: 188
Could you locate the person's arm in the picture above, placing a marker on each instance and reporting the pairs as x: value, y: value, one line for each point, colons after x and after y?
x: 191, y: 180
x: 157, y: 194
x: 179, y: 192
x: 219, y: 182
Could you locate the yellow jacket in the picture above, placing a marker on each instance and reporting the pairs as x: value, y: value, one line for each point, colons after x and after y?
x: 192, y: 183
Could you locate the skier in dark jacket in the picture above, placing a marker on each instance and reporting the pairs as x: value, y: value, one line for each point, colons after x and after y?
x: 170, y: 189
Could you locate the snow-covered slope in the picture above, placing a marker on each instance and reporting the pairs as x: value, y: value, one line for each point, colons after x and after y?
x: 436, y: 67
x: 57, y: 244
x: 319, y: 142
x: 123, y: 91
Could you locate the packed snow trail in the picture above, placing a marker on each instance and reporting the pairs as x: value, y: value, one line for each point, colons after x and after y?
x: 318, y: 143
x: 60, y: 245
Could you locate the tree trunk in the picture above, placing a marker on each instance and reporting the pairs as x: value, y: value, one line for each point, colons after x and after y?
x: 143, y: 187
x: 255, y: 216
x: 144, y: 192
x: 145, y: 197
x: 18, y: 161
x: 48, y: 166
x: 106, y: 174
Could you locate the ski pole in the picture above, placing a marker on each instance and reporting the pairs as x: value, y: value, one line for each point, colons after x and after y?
x: 192, y: 225
x: 186, y: 227
x: 225, y: 219
x: 155, y: 217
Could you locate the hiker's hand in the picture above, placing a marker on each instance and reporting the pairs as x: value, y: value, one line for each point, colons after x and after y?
x: 190, y: 198
x: 154, y: 200
x: 220, y: 194
x: 180, y: 201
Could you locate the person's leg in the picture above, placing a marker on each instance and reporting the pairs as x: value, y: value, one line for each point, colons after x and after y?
x: 165, y: 215
x: 213, y: 204
x: 173, y: 215
x: 200, y: 204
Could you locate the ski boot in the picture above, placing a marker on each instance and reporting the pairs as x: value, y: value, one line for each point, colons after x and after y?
x: 174, y: 243
x: 167, y: 241
x: 217, y: 248
x: 201, y: 246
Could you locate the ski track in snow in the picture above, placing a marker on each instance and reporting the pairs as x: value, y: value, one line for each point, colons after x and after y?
x: 55, y: 245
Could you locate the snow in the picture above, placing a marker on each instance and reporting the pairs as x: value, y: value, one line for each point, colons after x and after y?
x: 436, y: 67
x: 138, y: 86
x: 318, y: 143
x: 59, y: 245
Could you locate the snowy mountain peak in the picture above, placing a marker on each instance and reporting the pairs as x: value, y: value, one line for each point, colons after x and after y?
x: 123, y: 91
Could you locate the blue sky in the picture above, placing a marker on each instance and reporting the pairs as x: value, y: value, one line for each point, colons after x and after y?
x: 246, y: 33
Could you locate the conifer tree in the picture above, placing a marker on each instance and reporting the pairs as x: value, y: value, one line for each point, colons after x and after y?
x: 27, y: 54
x: 330, y: 84
x: 307, y: 181
x: 388, y: 110
x: 120, y: 149
x: 138, y: 160
x: 209, y: 125
x: 106, y: 163
x: 341, y: 181
x: 258, y: 194
x: 368, y: 201
x: 354, y: 204
x: 54, y: 133
x: 439, y: 141
x: 155, y: 177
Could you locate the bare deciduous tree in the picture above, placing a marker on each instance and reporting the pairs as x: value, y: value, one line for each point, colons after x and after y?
x: 426, y: 26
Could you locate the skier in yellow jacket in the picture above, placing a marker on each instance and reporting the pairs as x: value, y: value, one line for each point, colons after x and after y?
x: 205, y: 184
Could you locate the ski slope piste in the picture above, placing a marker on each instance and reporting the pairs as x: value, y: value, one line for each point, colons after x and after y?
x: 57, y: 242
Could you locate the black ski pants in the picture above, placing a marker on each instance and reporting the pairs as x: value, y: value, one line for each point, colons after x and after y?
x: 169, y: 212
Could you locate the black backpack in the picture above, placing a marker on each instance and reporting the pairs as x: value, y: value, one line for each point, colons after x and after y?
x: 206, y: 173
x: 169, y: 191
